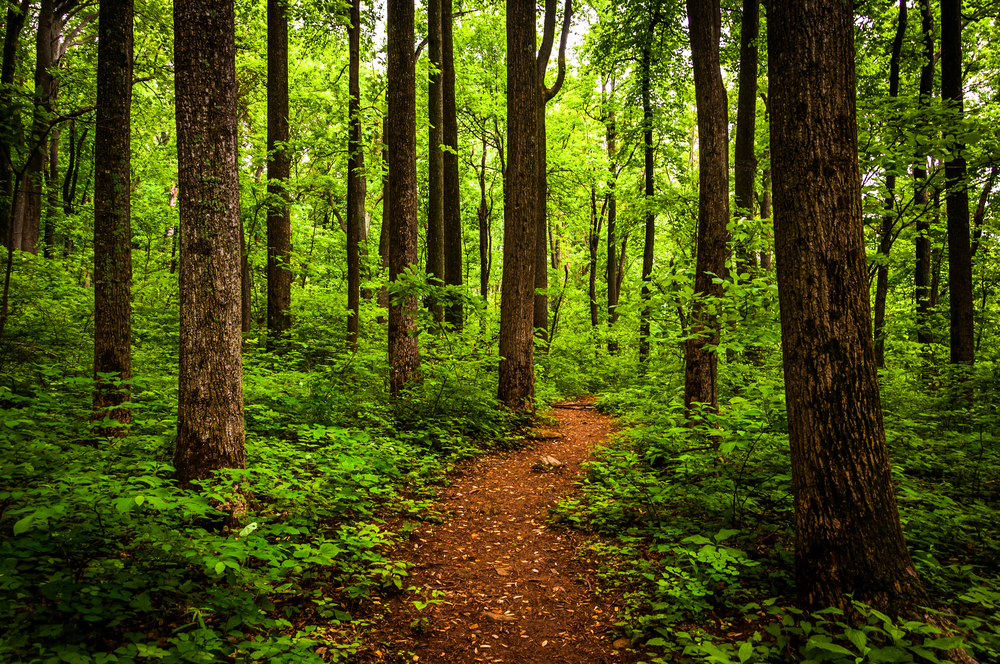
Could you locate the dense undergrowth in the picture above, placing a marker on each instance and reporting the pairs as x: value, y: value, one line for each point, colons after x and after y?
x: 699, y: 521
x: 104, y: 559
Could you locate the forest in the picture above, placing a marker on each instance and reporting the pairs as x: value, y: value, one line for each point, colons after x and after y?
x: 278, y: 274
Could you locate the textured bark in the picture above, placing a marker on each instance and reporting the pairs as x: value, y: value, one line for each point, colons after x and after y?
x: 745, y: 167
x: 700, y: 378
x: 112, y: 214
x: 404, y: 353
x: 650, y: 190
x: 614, y: 265
x: 452, y: 188
x: 848, y: 536
x: 922, y: 266
x: 279, y: 164
x: 963, y: 350
x: 541, y: 305
x: 485, y: 239
x: 355, y: 182
x: 210, y: 433
x: 517, y: 370
x: 765, y: 213
x: 593, y: 240
x: 889, y: 216
x: 9, y: 115
x: 435, y: 158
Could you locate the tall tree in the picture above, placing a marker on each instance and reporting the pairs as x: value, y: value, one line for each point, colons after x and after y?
x: 745, y: 158
x: 401, y: 202
x: 112, y: 213
x: 355, y: 182
x: 611, y: 201
x: 541, y: 306
x: 10, y: 119
x: 922, y: 268
x: 649, y: 179
x: 517, y: 368
x: 435, y: 158
x: 210, y: 433
x: 705, y: 21
x: 848, y: 537
x: 889, y: 217
x: 279, y: 165
x: 963, y: 347
x: 452, y: 185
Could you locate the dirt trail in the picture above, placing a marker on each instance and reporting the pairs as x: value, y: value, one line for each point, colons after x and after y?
x: 511, y: 587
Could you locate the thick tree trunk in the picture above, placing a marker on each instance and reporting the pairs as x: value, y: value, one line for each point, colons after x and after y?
x: 279, y: 223
x: 401, y: 203
x: 112, y: 215
x: 704, y: 18
x: 210, y: 433
x: 963, y: 349
x: 355, y: 181
x: 745, y: 170
x: 435, y: 159
x: 848, y: 535
x: 453, y: 244
x: 611, y: 201
x: 517, y: 369
x: 889, y: 216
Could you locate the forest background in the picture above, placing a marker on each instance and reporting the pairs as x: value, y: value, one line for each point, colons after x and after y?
x: 116, y: 549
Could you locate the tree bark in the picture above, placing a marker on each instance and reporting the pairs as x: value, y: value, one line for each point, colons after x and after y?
x: 650, y: 191
x: 112, y: 216
x: 210, y: 433
x: 541, y: 305
x: 279, y: 223
x: 435, y: 159
x: 963, y: 345
x: 888, y: 217
x: 705, y: 20
x: 745, y: 171
x: 355, y: 183
x: 404, y: 353
x: 848, y: 535
x: 517, y: 370
x: 922, y: 267
x: 611, y: 202
x: 9, y: 115
x: 485, y: 243
x: 453, y: 244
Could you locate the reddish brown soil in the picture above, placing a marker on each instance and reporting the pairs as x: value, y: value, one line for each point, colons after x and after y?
x: 511, y: 586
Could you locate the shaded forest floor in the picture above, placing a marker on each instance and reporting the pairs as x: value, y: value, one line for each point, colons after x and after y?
x: 501, y: 584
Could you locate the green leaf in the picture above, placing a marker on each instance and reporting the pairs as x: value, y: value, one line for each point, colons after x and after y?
x: 815, y: 642
x: 139, y: 500
x: 946, y: 643
x: 23, y: 525
x: 857, y: 637
x: 220, y: 567
x: 746, y: 651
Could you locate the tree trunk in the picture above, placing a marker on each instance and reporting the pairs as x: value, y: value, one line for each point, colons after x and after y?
x: 611, y: 201
x: 46, y: 86
x: 745, y: 157
x: 704, y: 18
x: 401, y: 203
x: 453, y: 244
x: 435, y: 159
x: 112, y: 215
x: 355, y: 178
x: 279, y: 224
x: 963, y: 347
x: 848, y: 536
x: 889, y: 216
x: 593, y: 240
x: 210, y: 432
x: 650, y: 190
x: 517, y: 370
x: 765, y: 213
x: 922, y: 267
x: 485, y: 245
x: 9, y: 115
